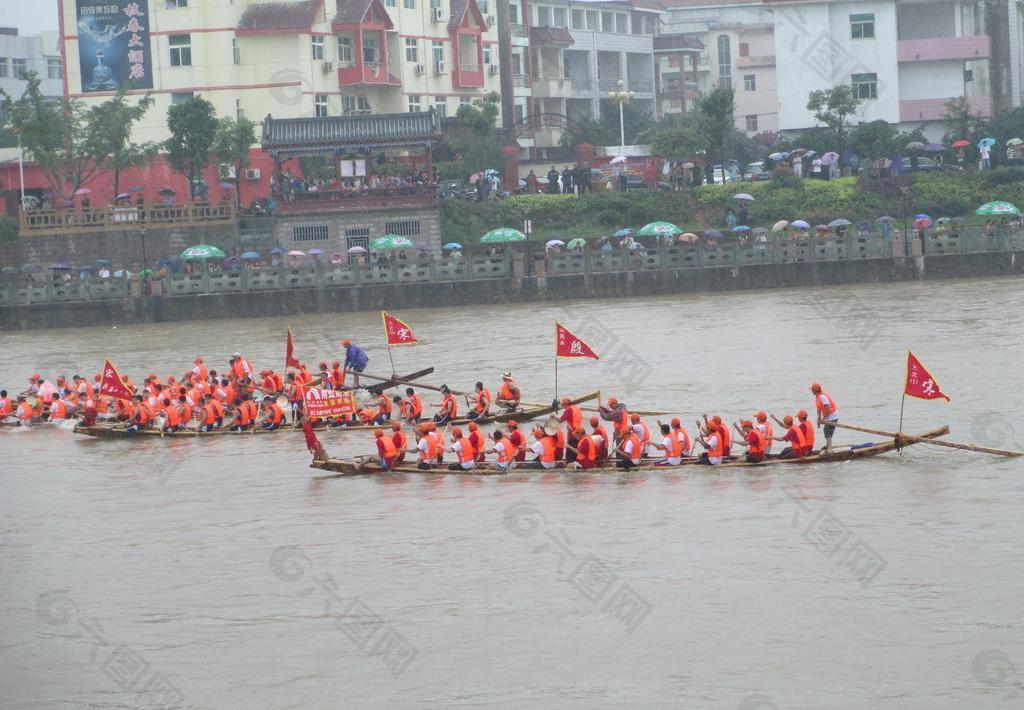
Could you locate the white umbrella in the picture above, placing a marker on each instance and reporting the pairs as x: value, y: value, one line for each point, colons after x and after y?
x: 618, y: 159
x: 296, y: 252
x: 555, y: 243
x: 356, y: 250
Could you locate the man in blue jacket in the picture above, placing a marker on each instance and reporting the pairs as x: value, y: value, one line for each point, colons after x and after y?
x: 355, y: 358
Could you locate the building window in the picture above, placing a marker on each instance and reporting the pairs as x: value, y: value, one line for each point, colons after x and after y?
x: 171, y: 4
x: 607, y: 22
x: 180, y: 97
x: 744, y: 49
x: 320, y: 105
x: 318, y: 47
x: 412, y: 50
x: 487, y: 54
x: 752, y: 123
x: 19, y: 68
x: 389, y: 3
x: 578, y: 23
x: 403, y: 228
x: 53, y: 68
x: 621, y: 23
x: 344, y: 49
x: 593, y: 21
x: 414, y: 103
x: 724, y: 62
x: 749, y: 82
x: 357, y: 237
x: 236, y: 53
x: 309, y: 233
x: 181, y: 50
x: 437, y: 51
x: 441, y: 106
x: 239, y: 113
x: 3, y: 68
x: 559, y: 17
x: 513, y: 14
x: 543, y: 16
x: 409, y: 4
x: 465, y: 100
x: 865, y: 86
x: 355, y: 104
x: 862, y: 26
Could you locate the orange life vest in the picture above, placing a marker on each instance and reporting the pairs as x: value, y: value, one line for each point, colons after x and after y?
x: 483, y: 400
x: 603, y: 448
x: 715, y: 450
x: 384, y: 404
x: 5, y: 406
x: 808, y: 431
x: 276, y: 413
x: 450, y: 406
x: 797, y: 441
x: 415, y: 406
x: 675, y: 450
x: 757, y: 446
x: 390, y: 453
x: 575, y: 416
x: 207, y: 415
x: 821, y: 407
x: 507, y: 392
x: 505, y: 453
x: 202, y: 372
x: 477, y: 440
x: 466, y: 451
x: 432, y: 442
x: 587, y: 449
x: 58, y: 410
x: 637, y: 447
x: 684, y: 439
x: 173, y: 417
x: 547, y: 454
x: 400, y: 440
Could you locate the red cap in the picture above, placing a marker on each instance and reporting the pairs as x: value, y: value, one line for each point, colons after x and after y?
x: 396, y: 425
x: 802, y: 414
x: 787, y: 420
x: 566, y: 400
x: 676, y: 422
x: 815, y: 387
x: 473, y: 426
x: 336, y: 363
x: 594, y: 421
x: 634, y: 418
x: 612, y: 401
x: 761, y: 417
x: 323, y: 365
x: 346, y: 342
x: 198, y: 359
x: 456, y: 432
x: 33, y: 378
x: 716, y: 419
x: 512, y: 424
x: 746, y: 423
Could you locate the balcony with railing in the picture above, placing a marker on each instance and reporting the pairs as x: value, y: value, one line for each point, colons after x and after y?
x: 124, y: 218
x: 367, y: 73
x: 519, y: 30
x: 468, y: 76
x: 913, y: 110
x: 552, y: 87
x: 520, y: 81
x: 944, y: 49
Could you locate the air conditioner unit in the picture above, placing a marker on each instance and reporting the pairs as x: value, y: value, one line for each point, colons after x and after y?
x: 492, y: 69
x: 327, y: 67
x: 420, y: 69
x: 438, y: 15
x: 252, y: 173
x: 440, y: 68
x: 490, y: 20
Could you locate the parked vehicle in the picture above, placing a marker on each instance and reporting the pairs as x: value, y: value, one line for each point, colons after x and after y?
x: 756, y: 171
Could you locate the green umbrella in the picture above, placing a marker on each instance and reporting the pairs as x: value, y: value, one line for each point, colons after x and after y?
x: 655, y: 229
x: 504, y: 234
x: 577, y: 242
x: 997, y: 208
x: 391, y: 241
x: 202, y: 251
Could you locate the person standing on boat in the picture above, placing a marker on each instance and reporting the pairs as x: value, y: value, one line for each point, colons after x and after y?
x: 828, y: 413
x: 481, y: 402
x: 618, y: 415
x: 794, y: 436
x: 356, y: 358
x: 240, y: 367
x: 463, y: 451
x: 572, y: 417
x: 508, y: 395
x: 449, y: 407
x: 712, y: 443
x: 671, y: 445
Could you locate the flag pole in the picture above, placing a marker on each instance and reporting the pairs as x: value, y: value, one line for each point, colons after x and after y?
x: 390, y: 357
x: 556, y: 376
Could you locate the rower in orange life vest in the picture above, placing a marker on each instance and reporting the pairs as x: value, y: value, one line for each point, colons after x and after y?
x: 600, y: 435
x: 173, y: 417
x: 245, y: 414
x: 508, y: 395
x: 274, y: 418
x: 544, y: 447
x: 337, y: 375
x: 208, y: 419
x: 293, y: 387
x: 618, y: 415
x: 58, y: 409
x: 712, y: 443
x: 200, y: 370
x: 427, y: 445
x: 464, y: 452
x: 476, y: 440
x: 413, y: 406
x: 754, y: 440
x: 764, y: 426
x: 808, y: 431
x: 517, y: 439
x: 631, y: 447
x: 679, y: 431
x: 24, y: 411
x: 587, y: 449
x: 504, y: 450
x: 572, y: 417
x: 828, y: 413
x: 241, y: 367
x: 794, y: 436
x: 383, y: 413
x: 671, y: 445
x: 141, y: 415
x: 386, y: 451
x: 481, y: 402
x: 723, y: 434
x: 400, y: 439
x: 449, y: 407
x: 6, y: 406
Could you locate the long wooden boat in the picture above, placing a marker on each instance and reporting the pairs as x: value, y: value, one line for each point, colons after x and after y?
x: 119, y: 432
x: 346, y: 467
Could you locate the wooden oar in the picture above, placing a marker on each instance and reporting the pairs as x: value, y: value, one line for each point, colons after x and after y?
x: 641, y: 412
x: 936, y: 442
x: 420, y: 385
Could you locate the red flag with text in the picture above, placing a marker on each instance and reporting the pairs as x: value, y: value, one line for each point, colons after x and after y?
x: 289, y: 353
x: 318, y: 403
x: 397, y: 332
x: 569, y: 345
x: 111, y: 384
x: 920, y: 382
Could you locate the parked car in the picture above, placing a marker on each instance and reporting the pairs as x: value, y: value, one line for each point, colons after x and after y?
x: 756, y: 171
x: 633, y: 182
x: 928, y: 165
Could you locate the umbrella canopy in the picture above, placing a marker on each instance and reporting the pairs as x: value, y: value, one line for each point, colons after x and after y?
x: 961, y: 144
x: 296, y: 252
x: 8, y: 270
x: 713, y: 233
x: 780, y: 225
x: 997, y: 208
x: 618, y: 159
x: 743, y: 196
x: 552, y: 243
x: 356, y: 250
x: 689, y: 238
x: 1015, y: 141
x: 391, y: 241
x: 822, y: 228
x: 839, y: 223
x: 167, y: 191
x: 452, y: 245
x: 759, y: 230
x: 800, y: 224
x: 922, y: 222
x: 278, y: 250
x: 202, y: 251
x: 885, y: 218
x: 933, y: 147
x: 136, y: 188
x: 623, y: 233
x: 658, y: 228
x: 86, y: 269
x: 102, y: 262
x: 82, y: 191
x: 740, y: 229
x: 577, y: 243
x: 943, y: 220
x: 315, y: 252
x: 502, y: 235
x: 250, y: 255
x: 31, y: 268
x: 778, y: 156
x: 232, y: 261
x: 226, y: 186
x: 922, y: 216
x: 829, y: 157
x: 915, y: 145
x: 123, y: 196
x: 986, y: 142
x: 60, y: 266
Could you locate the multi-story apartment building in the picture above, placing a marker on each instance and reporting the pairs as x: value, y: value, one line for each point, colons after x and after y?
x: 287, y: 59
x: 566, y: 56
x: 22, y: 54
x: 729, y: 43
x: 904, y: 58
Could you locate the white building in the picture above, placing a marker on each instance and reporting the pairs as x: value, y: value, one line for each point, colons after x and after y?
x: 21, y: 54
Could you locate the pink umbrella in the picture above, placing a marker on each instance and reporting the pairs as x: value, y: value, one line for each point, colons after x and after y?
x: 82, y: 191
x: 922, y: 223
x: 829, y: 158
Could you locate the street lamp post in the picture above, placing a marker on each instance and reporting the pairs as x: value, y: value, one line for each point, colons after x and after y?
x: 621, y: 97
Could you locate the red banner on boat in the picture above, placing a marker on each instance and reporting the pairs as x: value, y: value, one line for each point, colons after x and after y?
x: 397, y: 332
x: 569, y: 345
x: 920, y: 382
x: 289, y: 353
x: 111, y: 384
x: 319, y: 403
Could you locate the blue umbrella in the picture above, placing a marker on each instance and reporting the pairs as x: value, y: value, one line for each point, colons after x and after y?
x: 452, y: 245
x: 712, y: 233
x: 135, y: 188
x: 249, y: 255
x: 278, y: 250
x: 60, y: 266
x: 922, y: 216
x: 739, y: 228
x: 778, y: 156
x: 799, y: 224
x: 986, y: 142
x: 623, y: 233
x: 885, y: 218
x: 89, y: 269
x: 839, y: 223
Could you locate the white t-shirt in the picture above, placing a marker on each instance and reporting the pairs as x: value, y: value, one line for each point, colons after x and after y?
x: 668, y: 442
x: 538, y: 448
x: 824, y: 399
x: 423, y: 447
x: 457, y: 448
x: 634, y: 456
x: 506, y: 448
x: 712, y: 442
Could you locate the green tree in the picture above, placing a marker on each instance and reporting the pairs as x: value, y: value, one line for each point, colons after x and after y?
x: 833, y: 107
x: 110, y: 124
x: 961, y: 124
x: 873, y: 140
x: 193, y: 128
x: 480, y: 115
x: 675, y: 139
x: 717, y: 110
x: 234, y: 140
x: 57, y: 136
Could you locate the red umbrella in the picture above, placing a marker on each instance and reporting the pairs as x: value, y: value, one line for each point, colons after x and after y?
x: 961, y: 144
